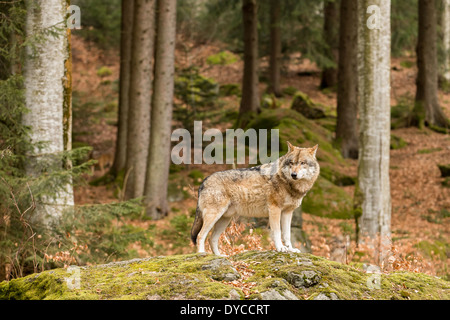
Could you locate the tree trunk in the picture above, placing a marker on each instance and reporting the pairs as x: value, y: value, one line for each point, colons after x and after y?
x: 426, y: 107
x: 347, y: 93
x: 331, y: 32
x: 275, y: 48
x: 372, y: 195
x: 446, y: 39
x: 47, y: 81
x: 250, y: 81
x: 138, y: 137
x: 161, y: 123
x: 120, y: 156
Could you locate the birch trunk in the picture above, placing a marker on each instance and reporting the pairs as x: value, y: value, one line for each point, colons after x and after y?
x: 48, y: 83
x: 120, y: 155
x: 161, y: 122
x: 372, y: 195
x: 347, y: 92
x: 138, y: 137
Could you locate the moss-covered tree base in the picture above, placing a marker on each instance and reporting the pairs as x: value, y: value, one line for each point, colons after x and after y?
x: 268, y: 274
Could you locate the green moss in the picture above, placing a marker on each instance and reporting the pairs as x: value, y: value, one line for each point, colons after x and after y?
x: 193, y: 276
x: 222, y: 58
x: 429, y: 150
x: 328, y: 200
x: 104, y: 72
x: 407, y: 64
x: 397, y: 142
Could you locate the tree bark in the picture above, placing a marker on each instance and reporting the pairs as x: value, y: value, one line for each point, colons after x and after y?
x: 161, y: 123
x: 426, y: 107
x: 331, y: 32
x: 120, y: 156
x: 347, y: 93
x: 446, y: 38
x: 250, y: 92
x: 275, y: 48
x: 47, y: 81
x: 372, y: 195
x: 140, y: 95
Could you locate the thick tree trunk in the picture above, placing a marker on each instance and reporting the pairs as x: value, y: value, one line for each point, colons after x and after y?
x: 48, y: 84
x: 275, y: 47
x: 372, y: 195
x: 120, y: 156
x: 140, y: 96
x: 426, y: 108
x: 250, y: 81
x: 347, y: 93
x: 331, y: 32
x: 161, y: 123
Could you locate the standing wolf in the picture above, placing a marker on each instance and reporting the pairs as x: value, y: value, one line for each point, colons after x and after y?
x: 273, y: 190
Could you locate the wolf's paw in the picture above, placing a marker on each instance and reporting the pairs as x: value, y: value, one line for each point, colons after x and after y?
x: 294, y: 250
x: 283, y: 249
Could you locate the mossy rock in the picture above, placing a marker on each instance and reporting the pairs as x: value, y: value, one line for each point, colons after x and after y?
x: 298, y: 130
x: 325, y: 199
x: 304, y: 105
x: 273, y: 275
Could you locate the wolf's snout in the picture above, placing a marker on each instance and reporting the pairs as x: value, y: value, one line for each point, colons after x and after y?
x: 294, y: 175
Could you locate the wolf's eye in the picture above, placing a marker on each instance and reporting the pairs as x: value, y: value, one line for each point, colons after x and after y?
x: 303, y: 163
x: 288, y: 162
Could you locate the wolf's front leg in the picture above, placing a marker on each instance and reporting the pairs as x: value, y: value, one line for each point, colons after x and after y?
x: 274, y: 222
x: 286, y: 218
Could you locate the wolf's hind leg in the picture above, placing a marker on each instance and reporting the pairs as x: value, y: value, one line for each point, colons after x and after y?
x: 210, y: 216
x: 219, y: 227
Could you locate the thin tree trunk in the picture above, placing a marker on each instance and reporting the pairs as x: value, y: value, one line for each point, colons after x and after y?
x: 275, y: 47
x: 331, y: 32
x: 347, y: 93
x: 140, y: 96
x: 161, y: 123
x: 250, y: 92
x: 446, y: 38
x: 125, y: 64
x: 426, y: 107
x: 372, y: 195
x: 48, y: 84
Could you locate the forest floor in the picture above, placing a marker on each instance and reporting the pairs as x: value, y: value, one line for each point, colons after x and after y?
x: 420, y: 203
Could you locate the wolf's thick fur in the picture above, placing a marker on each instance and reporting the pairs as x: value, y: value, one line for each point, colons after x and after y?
x: 273, y: 190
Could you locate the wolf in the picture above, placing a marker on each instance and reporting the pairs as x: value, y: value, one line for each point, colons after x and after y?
x: 271, y: 190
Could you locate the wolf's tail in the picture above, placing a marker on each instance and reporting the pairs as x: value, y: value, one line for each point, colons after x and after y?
x: 197, y: 226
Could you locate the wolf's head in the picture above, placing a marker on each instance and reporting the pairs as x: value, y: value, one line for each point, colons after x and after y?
x: 300, y: 163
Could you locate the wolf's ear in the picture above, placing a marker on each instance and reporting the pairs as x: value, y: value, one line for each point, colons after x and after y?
x: 313, y: 150
x: 290, y: 146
